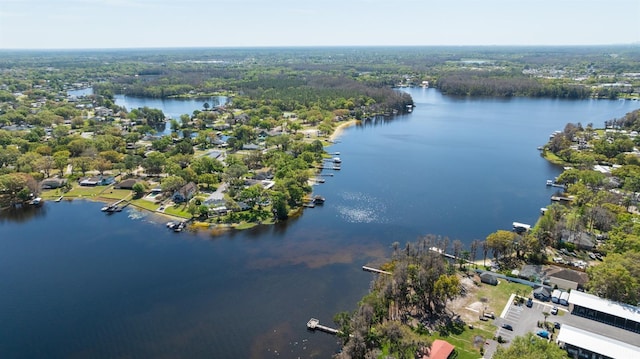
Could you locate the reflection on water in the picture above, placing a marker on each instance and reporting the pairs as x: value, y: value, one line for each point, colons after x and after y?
x: 360, y: 207
x: 22, y: 214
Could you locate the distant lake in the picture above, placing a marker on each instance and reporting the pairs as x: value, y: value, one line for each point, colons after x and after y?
x: 171, y: 107
x: 75, y: 282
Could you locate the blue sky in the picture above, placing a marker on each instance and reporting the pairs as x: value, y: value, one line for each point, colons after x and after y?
x: 71, y: 24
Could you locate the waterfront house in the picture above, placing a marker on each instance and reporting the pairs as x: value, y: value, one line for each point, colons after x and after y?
x: 97, y: 181
x: 185, y: 193
x: 126, y: 184
x: 51, y: 183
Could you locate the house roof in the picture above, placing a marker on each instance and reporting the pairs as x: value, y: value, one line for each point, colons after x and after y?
x: 569, y: 274
x: 126, y: 183
x: 597, y: 343
x: 542, y: 290
x: 187, y: 189
x: 617, y: 309
x: 488, y: 275
x: 439, y: 350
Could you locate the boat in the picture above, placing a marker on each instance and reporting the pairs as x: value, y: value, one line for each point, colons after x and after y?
x: 170, y: 225
x: 318, y: 199
x: 549, y: 182
x: 337, y: 168
x: 36, y: 201
x: 337, y: 160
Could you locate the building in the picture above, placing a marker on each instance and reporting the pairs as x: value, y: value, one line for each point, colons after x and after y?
x: 97, y: 181
x: 488, y: 278
x: 126, y: 184
x: 620, y: 315
x: 185, y: 193
x: 583, y: 344
x: 566, y: 278
x: 440, y: 349
x: 542, y: 293
x: 51, y: 183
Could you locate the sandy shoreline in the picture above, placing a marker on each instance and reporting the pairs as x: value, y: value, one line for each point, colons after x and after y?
x: 340, y: 129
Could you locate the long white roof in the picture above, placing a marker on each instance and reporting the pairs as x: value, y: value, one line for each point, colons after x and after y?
x: 597, y: 343
x: 604, y: 305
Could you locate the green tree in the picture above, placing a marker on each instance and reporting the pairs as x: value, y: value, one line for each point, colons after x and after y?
x: 83, y: 163
x: 500, y: 242
x: 172, y: 183
x: 16, y: 188
x: 61, y: 160
x: 138, y: 190
x: 154, y: 163
x: 617, y: 277
x: 528, y: 347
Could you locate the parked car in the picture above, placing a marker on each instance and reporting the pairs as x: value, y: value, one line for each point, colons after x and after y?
x: 556, y: 325
x: 543, y: 333
x: 554, y: 310
x: 529, y: 303
x: 507, y: 326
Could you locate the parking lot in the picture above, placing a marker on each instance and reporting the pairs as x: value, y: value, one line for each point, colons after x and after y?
x: 523, y: 319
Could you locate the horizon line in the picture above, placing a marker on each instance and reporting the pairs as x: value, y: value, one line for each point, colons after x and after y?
x: 304, y: 47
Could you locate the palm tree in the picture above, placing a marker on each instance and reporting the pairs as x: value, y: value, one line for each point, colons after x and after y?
x: 546, y: 315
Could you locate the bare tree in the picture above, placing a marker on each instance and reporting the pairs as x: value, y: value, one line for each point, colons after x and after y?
x: 474, y: 248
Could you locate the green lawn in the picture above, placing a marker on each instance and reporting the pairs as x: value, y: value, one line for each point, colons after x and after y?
x: 497, y: 296
x: 178, y: 211
x: 143, y: 203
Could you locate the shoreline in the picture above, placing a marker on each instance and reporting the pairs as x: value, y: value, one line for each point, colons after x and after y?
x: 337, y: 132
x: 160, y: 217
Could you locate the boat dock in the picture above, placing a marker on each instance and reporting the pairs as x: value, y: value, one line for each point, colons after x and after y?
x: 554, y: 184
x: 375, y: 270
x: 561, y: 198
x: 450, y: 256
x: 314, y: 324
x: 115, y: 207
x: 59, y: 199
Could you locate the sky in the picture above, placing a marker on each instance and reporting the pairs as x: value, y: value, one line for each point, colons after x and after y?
x: 91, y: 24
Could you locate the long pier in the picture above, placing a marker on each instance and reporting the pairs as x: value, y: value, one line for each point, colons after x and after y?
x: 375, y: 270
x: 450, y: 256
x: 314, y: 324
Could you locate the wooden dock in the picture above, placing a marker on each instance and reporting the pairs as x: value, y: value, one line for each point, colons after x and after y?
x: 450, y: 256
x: 314, y: 324
x: 561, y: 198
x: 375, y: 270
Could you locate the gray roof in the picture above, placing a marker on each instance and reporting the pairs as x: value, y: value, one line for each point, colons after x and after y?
x: 617, y: 309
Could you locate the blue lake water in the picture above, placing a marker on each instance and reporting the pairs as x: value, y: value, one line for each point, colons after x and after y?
x: 172, y: 108
x: 75, y: 282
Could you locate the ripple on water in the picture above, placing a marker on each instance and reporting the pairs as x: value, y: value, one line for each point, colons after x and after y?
x: 361, y: 207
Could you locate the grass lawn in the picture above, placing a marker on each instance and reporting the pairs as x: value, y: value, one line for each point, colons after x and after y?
x: 551, y: 157
x: 116, y: 194
x: 246, y: 225
x: 178, y: 211
x: 84, y: 191
x: 143, y: 203
x: 497, y: 296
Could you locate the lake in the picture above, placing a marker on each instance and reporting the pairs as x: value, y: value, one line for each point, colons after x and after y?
x: 172, y: 108
x: 75, y: 282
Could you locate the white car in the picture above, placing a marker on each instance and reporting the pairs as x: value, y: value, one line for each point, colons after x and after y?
x: 554, y: 310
